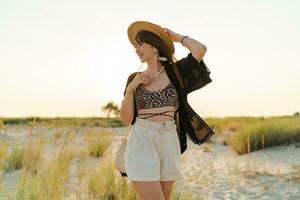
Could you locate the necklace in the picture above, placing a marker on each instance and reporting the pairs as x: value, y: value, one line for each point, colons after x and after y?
x: 156, y: 75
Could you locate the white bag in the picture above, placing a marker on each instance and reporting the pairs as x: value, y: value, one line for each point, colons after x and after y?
x: 119, y: 156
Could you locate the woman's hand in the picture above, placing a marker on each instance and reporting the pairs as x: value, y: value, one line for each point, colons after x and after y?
x: 175, y: 37
x: 140, y: 78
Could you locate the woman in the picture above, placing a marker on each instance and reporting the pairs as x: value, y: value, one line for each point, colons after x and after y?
x: 155, y: 104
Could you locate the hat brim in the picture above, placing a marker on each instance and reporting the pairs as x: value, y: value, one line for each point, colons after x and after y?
x: 138, y: 26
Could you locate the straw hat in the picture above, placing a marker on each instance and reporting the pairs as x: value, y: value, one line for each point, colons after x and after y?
x: 137, y: 26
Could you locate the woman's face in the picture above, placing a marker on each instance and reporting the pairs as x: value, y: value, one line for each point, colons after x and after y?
x: 144, y: 51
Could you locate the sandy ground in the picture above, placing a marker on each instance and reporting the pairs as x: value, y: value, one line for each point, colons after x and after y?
x: 210, y: 171
x: 221, y: 174
x: 214, y: 171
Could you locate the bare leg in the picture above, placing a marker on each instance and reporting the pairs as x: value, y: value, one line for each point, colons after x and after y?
x: 148, y: 190
x: 167, y: 187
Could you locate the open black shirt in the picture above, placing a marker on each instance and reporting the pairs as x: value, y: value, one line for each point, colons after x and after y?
x: 187, y: 75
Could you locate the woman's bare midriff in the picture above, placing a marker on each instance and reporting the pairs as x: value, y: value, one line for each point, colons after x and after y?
x: 158, y: 118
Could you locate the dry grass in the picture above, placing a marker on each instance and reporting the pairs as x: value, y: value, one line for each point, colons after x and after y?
x: 14, y: 160
x: 269, y: 133
x: 49, y: 182
x: 206, y: 148
x: 92, y: 135
x: 106, y: 183
x: 44, y: 181
x: 48, y: 179
x: 223, y: 125
x: 33, y: 158
x: 98, y: 143
x: 81, y: 172
x: 64, y: 121
x: 57, y: 135
x: 2, y: 126
x: 295, y: 175
x: 3, y: 149
x: 180, y: 195
x: 3, y: 153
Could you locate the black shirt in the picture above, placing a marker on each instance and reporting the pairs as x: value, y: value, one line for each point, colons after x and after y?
x: 187, y: 75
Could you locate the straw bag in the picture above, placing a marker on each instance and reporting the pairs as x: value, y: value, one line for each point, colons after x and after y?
x: 119, y: 156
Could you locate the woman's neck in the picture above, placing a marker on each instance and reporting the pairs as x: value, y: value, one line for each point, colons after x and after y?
x: 154, y: 66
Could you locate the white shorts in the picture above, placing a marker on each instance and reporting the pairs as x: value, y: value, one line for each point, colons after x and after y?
x: 153, y: 151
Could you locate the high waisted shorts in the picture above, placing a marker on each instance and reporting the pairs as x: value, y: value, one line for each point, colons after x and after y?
x: 153, y: 151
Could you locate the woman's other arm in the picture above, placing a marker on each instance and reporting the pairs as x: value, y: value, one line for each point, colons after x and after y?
x: 127, y: 107
x: 197, y: 49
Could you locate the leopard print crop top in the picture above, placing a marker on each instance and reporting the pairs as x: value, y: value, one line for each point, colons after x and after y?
x: 146, y: 99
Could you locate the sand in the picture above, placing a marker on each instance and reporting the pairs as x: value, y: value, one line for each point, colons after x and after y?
x: 272, y: 173
x: 210, y: 171
x: 213, y: 171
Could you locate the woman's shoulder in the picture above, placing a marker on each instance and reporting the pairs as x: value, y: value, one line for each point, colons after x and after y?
x: 131, y: 76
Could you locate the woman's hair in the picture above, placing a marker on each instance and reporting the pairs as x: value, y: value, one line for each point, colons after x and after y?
x: 152, y: 39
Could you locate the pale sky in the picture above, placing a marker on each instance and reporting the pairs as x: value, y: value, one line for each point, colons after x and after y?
x: 70, y: 57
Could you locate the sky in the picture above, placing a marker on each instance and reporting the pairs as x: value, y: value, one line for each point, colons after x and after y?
x: 68, y: 58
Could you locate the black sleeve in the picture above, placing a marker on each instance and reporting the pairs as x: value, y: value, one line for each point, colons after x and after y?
x: 195, y: 74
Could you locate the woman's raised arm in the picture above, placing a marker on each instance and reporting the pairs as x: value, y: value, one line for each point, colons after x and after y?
x: 197, y: 49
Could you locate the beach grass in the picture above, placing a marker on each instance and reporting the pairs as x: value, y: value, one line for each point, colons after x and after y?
x: 57, y: 135
x: 98, y: 142
x: 42, y: 178
x: 112, y: 185
x: 266, y: 133
x: 81, y: 171
x: 49, y: 176
x: 33, y: 159
x: 49, y: 182
x: 105, y: 183
x: 229, y: 124
x: 55, y: 122
x: 296, y: 174
x: 13, y: 160
x: 179, y: 195
x: 3, y: 153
